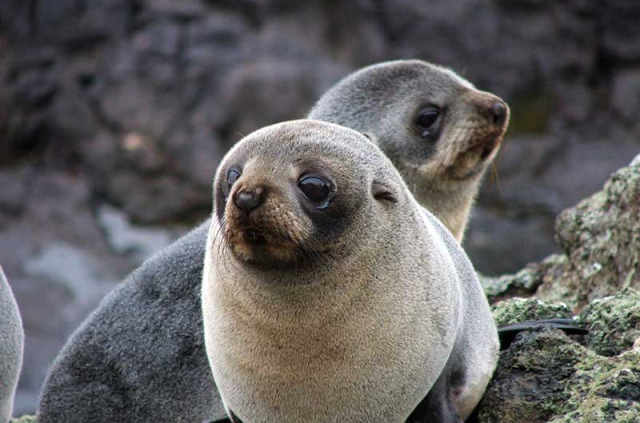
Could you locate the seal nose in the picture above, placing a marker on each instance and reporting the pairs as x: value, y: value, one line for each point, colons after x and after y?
x: 498, y: 112
x: 249, y: 200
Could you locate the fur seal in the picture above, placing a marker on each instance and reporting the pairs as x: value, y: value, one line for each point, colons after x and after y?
x: 106, y: 372
x: 330, y: 295
x: 11, y: 348
x: 440, y: 132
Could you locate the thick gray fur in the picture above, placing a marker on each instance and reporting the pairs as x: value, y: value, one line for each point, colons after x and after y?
x: 140, y: 356
x: 11, y: 348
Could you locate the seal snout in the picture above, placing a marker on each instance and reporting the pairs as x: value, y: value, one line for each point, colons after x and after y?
x: 248, y: 200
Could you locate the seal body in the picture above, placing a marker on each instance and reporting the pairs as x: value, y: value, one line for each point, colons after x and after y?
x: 140, y: 356
x: 338, y: 299
x: 440, y: 132
x: 11, y: 348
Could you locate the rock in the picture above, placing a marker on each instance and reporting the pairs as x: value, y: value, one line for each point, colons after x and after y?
x: 547, y: 376
x: 531, y: 379
x: 619, y: 20
x: 600, y: 238
x: 125, y: 238
x: 614, y: 323
x: 523, y: 283
x: 518, y: 310
x: 190, y: 75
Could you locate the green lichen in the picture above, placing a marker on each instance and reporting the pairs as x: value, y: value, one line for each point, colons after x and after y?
x: 603, y: 390
x: 24, y: 419
x: 614, y: 323
x: 522, y: 284
x: 517, y: 310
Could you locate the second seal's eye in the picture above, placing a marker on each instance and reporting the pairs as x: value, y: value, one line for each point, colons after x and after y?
x: 317, y: 190
x: 427, y: 121
x: 232, y: 176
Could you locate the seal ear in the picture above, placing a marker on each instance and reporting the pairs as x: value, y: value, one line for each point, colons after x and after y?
x: 383, y: 192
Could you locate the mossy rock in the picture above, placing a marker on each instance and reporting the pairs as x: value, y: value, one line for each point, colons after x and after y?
x: 517, y: 310
x: 600, y: 238
x: 525, y: 282
x: 531, y: 379
x: 546, y: 376
x: 614, y: 322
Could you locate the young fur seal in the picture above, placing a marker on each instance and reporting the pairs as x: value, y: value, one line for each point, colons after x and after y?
x: 330, y: 295
x: 438, y: 130
x: 11, y: 348
x: 140, y: 355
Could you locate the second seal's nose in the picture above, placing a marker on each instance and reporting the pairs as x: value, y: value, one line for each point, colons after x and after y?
x: 248, y: 200
x: 498, y: 112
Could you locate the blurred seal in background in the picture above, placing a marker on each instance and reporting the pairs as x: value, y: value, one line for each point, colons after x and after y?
x: 11, y: 348
x: 440, y: 132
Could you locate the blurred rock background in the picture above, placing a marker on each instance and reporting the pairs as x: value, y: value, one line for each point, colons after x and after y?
x: 114, y: 115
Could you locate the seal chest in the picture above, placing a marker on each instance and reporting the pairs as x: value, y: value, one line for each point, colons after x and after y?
x: 327, y: 296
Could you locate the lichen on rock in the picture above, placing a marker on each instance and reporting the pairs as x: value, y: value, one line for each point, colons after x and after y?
x: 601, y: 239
x: 614, y: 323
x: 520, y: 309
x: 546, y: 375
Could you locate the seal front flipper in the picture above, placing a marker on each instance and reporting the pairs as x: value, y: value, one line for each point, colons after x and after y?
x: 233, y: 418
x: 438, y: 406
x: 508, y: 333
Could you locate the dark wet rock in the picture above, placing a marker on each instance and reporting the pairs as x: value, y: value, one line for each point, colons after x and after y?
x: 191, y: 75
x: 531, y: 378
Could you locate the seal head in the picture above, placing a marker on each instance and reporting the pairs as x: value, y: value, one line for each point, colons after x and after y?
x: 290, y: 204
x: 439, y: 131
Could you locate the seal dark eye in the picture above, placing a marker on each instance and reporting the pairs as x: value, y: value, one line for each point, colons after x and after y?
x: 232, y: 176
x: 427, y: 121
x: 317, y: 190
